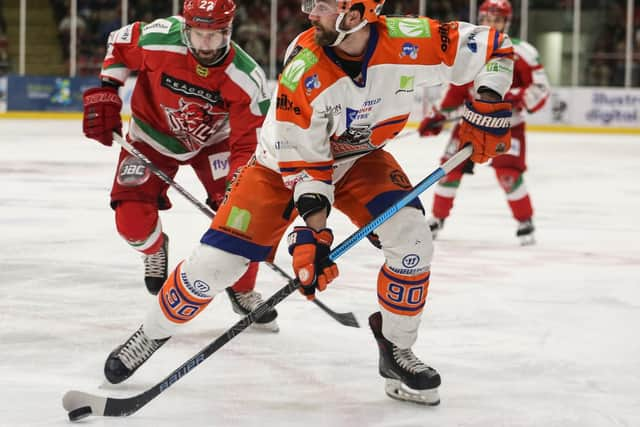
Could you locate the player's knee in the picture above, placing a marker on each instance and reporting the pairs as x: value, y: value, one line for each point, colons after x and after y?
x: 210, y: 270
x: 509, y: 178
x: 136, y: 220
x: 406, y: 241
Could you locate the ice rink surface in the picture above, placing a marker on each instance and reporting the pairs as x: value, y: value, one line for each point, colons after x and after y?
x: 543, y: 336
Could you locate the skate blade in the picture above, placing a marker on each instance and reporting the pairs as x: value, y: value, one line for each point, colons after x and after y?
x: 266, y: 327
x: 527, y: 240
x: 395, y: 389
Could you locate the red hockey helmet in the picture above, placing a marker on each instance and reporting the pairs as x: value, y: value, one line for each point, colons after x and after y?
x: 209, y: 14
x: 207, y: 28
x: 496, y: 8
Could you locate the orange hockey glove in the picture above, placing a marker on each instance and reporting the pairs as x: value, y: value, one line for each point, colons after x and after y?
x: 487, y: 126
x: 310, y: 249
x: 432, y: 124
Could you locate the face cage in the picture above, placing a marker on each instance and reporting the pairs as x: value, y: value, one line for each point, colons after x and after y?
x: 222, y: 48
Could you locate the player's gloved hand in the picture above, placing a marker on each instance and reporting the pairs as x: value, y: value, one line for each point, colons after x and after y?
x: 432, y: 124
x: 374, y: 239
x: 516, y: 98
x: 101, y: 116
x: 487, y: 126
x: 309, y: 249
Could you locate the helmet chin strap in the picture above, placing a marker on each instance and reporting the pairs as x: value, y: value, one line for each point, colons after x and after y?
x: 342, y: 33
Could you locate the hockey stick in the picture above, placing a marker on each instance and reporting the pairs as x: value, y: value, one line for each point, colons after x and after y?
x: 347, y: 319
x: 80, y: 404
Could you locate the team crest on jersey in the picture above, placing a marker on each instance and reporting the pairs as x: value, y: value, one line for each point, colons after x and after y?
x: 354, y: 140
x: 132, y: 172
x: 410, y: 50
x: 193, y: 123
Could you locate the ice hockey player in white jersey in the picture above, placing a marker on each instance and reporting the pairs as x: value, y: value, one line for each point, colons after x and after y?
x: 345, y: 91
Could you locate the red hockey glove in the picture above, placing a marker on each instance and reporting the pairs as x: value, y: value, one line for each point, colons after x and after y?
x: 102, y: 107
x: 309, y: 249
x: 432, y: 124
x: 516, y: 98
x: 487, y: 126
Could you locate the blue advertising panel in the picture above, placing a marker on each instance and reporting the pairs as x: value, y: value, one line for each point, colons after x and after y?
x: 47, y: 93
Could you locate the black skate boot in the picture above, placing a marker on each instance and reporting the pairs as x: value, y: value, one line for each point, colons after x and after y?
x: 435, y: 225
x: 525, y: 232
x: 407, y: 378
x: 155, y: 267
x: 128, y: 357
x: 245, y: 302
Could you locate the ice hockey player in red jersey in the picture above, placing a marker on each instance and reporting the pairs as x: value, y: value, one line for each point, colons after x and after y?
x: 345, y: 91
x: 529, y: 93
x: 199, y: 100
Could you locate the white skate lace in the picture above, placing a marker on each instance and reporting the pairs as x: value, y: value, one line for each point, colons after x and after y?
x: 155, y: 265
x: 137, y: 349
x: 249, y: 300
x: 408, y: 361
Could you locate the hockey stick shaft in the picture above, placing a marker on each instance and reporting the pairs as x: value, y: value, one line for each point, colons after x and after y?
x: 109, y: 406
x: 346, y: 319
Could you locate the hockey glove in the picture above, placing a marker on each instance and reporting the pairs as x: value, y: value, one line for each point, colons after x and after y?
x: 101, y: 117
x: 374, y: 239
x: 516, y: 98
x: 432, y: 124
x: 487, y: 126
x: 310, y: 249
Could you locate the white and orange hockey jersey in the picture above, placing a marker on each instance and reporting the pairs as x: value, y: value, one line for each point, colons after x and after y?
x: 321, y: 120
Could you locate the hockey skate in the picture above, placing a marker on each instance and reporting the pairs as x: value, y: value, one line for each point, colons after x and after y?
x: 525, y: 233
x: 155, y: 267
x: 435, y: 225
x: 407, y: 378
x: 128, y: 357
x: 245, y: 302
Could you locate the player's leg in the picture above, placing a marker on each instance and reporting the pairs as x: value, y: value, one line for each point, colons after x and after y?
x: 247, y: 227
x: 509, y: 169
x: 446, y: 189
x: 373, y: 184
x: 136, y: 197
x: 211, y: 166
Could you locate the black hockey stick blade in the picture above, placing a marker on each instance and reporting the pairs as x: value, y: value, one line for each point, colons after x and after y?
x: 347, y: 319
x: 78, y: 403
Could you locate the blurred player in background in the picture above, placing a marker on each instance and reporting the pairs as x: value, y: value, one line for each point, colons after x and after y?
x: 345, y: 91
x: 529, y: 93
x: 199, y: 100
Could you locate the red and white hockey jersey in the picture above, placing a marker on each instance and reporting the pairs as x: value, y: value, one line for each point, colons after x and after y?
x: 179, y: 106
x: 321, y: 120
x: 529, y: 91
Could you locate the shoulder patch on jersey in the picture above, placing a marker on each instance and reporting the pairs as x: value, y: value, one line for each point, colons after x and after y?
x: 123, y: 35
x: 300, y: 64
x: 408, y: 27
x: 158, y: 26
x: 242, y: 60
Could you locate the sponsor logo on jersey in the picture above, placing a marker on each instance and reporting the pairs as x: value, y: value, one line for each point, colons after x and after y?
x: 408, y: 27
x: 311, y: 83
x: 239, y: 219
x: 471, y: 43
x: 132, y: 172
x: 193, y: 123
x: 185, y: 88
x: 285, y: 104
x: 158, y: 26
x: 410, y: 50
x: 202, y: 71
x: 332, y: 110
x: 443, y: 32
x: 495, y: 67
x: 300, y: 64
x: 219, y: 164
x: 406, y: 84
x: 123, y: 35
